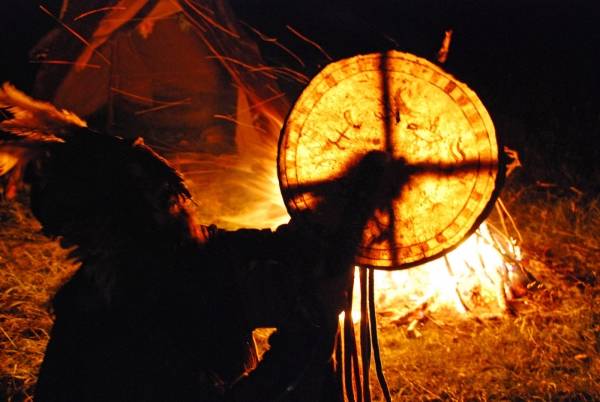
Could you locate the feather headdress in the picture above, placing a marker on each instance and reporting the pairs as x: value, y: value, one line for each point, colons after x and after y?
x: 31, y: 123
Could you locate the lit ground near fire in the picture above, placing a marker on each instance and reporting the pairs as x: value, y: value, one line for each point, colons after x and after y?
x: 547, y: 349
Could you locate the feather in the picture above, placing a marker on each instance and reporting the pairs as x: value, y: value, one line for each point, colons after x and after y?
x: 8, y: 160
x: 34, y: 117
x: 32, y: 125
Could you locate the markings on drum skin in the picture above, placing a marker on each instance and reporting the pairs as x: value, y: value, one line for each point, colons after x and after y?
x: 343, y: 134
x: 456, y: 150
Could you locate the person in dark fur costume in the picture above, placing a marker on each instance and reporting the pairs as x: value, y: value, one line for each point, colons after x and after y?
x: 162, y: 309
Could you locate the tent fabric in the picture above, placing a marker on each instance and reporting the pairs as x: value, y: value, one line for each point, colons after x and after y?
x: 171, y: 71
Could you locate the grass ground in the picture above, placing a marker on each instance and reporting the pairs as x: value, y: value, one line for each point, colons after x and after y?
x: 31, y: 270
x: 547, y: 349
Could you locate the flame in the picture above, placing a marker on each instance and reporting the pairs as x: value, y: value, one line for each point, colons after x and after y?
x: 242, y: 189
x: 472, y: 279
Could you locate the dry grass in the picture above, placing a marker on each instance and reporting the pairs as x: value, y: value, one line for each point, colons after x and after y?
x: 31, y: 269
x: 547, y: 350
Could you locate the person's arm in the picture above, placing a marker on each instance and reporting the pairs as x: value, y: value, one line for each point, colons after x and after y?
x: 303, y: 291
x: 283, y: 285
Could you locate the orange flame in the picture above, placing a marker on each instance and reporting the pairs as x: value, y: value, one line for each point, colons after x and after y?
x: 242, y: 189
x: 472, y: 279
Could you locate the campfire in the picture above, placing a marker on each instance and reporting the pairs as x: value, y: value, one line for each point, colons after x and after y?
x: 429, y: 314
x: 478, y: 278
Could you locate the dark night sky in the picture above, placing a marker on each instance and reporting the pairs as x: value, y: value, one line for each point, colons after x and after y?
x: 534, y: 63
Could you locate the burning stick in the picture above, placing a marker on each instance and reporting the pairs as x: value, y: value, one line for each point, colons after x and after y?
x: 443, y: 52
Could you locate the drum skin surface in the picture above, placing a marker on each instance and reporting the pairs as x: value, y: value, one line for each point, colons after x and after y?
x: 422, y: 118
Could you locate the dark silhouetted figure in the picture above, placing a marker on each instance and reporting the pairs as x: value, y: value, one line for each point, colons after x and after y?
x: 162, y: 309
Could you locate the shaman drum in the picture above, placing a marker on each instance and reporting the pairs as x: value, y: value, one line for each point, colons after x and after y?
x: 416, y: 113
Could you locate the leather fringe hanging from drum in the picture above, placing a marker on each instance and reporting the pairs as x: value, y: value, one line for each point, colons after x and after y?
x: 355, y: 380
